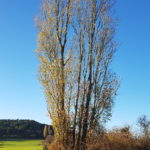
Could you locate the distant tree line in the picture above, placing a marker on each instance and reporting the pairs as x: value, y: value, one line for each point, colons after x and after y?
x: 21, y: 129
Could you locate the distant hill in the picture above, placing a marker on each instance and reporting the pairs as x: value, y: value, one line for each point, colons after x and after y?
x: 11, y: 129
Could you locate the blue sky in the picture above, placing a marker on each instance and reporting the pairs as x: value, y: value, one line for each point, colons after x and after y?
x: 21, y: 96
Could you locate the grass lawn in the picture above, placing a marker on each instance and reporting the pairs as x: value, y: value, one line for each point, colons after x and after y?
x: 21, y: 145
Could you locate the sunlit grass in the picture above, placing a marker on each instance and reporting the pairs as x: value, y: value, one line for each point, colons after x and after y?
x: 21, y: 145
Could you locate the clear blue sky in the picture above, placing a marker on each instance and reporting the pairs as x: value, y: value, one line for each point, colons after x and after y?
x: 21, y: 96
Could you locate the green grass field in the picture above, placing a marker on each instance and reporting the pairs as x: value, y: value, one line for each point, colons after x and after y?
x: 21, y: 145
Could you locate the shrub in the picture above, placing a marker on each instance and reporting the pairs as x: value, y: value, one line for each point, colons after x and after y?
x: 114, y: 140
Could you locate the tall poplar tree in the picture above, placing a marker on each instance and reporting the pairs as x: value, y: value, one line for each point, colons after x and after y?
x: 75, y: 47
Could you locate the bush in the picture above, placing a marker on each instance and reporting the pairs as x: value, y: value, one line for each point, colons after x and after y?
x: 117, y: 140
x: 114, y: 140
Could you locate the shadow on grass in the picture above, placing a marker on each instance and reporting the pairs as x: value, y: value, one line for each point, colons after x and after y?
x: 1, y: 145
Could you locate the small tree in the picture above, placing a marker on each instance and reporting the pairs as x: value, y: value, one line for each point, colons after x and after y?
x: 45, y: 132
x: 144, y: 123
